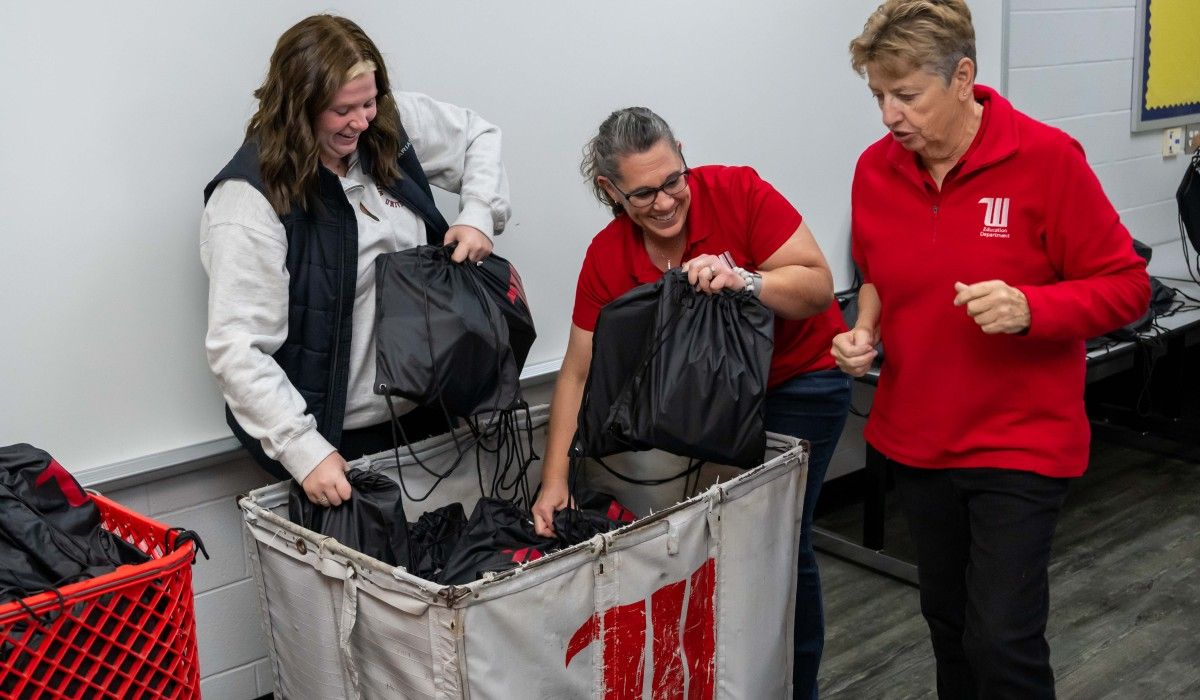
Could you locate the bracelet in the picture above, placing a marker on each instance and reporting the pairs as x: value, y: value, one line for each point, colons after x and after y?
x: 753, y: 281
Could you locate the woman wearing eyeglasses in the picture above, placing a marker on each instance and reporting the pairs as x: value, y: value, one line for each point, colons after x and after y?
x: 667, y: 215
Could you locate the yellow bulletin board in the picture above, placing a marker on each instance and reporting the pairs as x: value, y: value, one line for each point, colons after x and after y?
x: 1166, y: 68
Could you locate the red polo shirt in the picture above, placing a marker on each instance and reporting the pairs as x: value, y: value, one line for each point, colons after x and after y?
x: 1022, y: 206
x: 733, y: 210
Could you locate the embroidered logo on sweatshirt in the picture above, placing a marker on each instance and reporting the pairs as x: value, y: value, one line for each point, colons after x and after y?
x: 995, y: 218
x: 393, y: 203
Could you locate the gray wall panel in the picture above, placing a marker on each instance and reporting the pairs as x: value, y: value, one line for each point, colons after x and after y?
x: 1057, y: 38
x: 1053, y: 92
x: 1105, y: 137
x: 1018, y: 6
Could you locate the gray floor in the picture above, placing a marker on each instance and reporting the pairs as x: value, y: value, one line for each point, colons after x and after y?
x: 1125, y: 593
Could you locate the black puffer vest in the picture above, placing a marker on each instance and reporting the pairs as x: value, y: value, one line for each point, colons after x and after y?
x: 322, y: 263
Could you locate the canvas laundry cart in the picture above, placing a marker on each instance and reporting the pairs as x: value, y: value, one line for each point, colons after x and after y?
x: 695, y: 600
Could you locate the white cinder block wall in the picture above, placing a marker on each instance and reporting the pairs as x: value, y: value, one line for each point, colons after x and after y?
x: 1070, y: 63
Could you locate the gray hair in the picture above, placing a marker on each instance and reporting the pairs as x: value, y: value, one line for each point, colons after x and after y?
x: 625, y: 132
x: 902, y: 35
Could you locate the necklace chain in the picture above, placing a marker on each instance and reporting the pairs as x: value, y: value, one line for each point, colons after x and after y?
x: 654, y: 252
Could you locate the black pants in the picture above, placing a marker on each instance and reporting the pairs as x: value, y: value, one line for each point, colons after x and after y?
x: 983, y: 548
x: 418, y: 424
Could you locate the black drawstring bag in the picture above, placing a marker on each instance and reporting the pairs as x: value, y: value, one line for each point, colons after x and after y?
x: 502, y: 284
x: 499, y: 536
x: 623, y: 331
x: 1188, y: 199
x: 450, y: 334
x: 50, y: 533
x: 433, y: 538
x: 364, y: 523
x: 699, y: 385
x: 454, y: 336
x: 1162, y: 302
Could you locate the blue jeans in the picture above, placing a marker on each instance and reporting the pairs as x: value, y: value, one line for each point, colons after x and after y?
x: 812, y: 406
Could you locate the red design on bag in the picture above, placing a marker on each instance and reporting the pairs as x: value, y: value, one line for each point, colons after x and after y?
x: 66, y: 483
x: 616, y: 511
x: 516, y: 289
x: 624, y: 633
x: 524, y: 554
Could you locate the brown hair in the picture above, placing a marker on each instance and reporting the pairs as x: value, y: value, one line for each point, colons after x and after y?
x: 311, y: 63
x: 904, y: 35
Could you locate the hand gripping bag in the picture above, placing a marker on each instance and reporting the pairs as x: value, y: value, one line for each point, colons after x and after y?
x: 498, y: 536
x: 366, y: 522
x: 699, y: 386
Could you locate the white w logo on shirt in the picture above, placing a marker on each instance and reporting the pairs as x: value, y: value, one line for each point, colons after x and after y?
x: 996, y: 215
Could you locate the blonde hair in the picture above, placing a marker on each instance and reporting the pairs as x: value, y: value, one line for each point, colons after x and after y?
x: 905, y: 35
x: 363, y: 66
x: 311, y: 63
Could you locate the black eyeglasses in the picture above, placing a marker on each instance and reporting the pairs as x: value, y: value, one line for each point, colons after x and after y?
x: 646, y: 196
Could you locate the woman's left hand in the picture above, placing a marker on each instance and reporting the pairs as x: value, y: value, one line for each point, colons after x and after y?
x: 995, y: 306
x: 710, y: 274
x: 472, y: 245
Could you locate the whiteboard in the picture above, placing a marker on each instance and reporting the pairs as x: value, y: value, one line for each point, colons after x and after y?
x: 117, y: 114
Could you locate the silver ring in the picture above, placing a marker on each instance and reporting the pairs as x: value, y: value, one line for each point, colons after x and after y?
x: 323, y: 499
x: 478, y: 262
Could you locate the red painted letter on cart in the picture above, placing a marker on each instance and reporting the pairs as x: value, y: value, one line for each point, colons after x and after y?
x: 666, y: 608
x: 624, y: 630
x: 699, y: 635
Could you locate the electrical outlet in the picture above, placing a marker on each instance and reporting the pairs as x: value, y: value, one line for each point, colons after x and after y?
x: 1193, y: 138
x: 1172, y: 144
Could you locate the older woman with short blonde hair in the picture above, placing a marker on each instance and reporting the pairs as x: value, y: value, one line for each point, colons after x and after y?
x: 989, y: 254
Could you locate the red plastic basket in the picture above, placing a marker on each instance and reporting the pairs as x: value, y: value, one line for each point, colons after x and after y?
x: 128, y: 634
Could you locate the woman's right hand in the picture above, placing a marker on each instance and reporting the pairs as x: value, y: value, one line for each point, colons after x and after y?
x: 553, y: 497
x: 710, y: 274
x: 326, y: 485
x: 854, y: 351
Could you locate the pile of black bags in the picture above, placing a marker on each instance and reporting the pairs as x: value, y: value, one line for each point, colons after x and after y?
x: 50, y: 533
x: 444, y: 545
